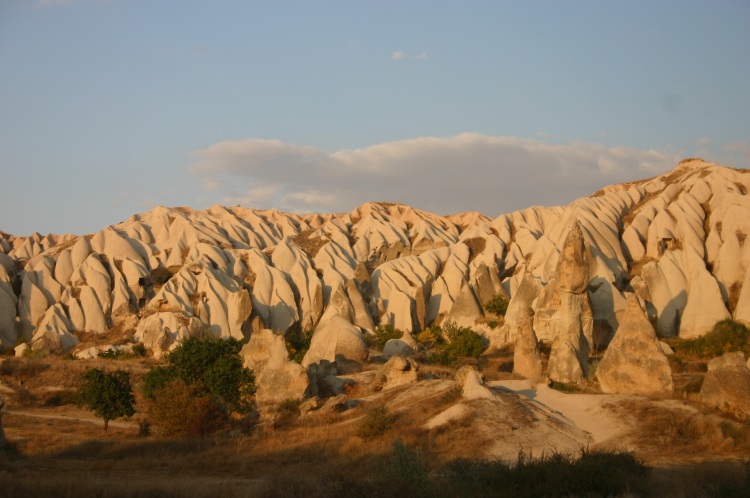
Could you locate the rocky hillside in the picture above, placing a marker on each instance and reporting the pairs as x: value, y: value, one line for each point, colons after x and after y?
x: 675, y: 243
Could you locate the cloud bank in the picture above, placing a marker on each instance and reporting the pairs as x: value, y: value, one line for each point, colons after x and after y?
x: 466, y: 172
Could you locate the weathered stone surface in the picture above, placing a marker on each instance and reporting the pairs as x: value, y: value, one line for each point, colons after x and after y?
x: 472, y: 383
x: 277, y: 378
x: 337, y: 340
x: 527, y: 360
x: 395, y: 372
x: 162, y: 332
x: 571, y: 325
x: 634, y: 362
x: 727, y: 385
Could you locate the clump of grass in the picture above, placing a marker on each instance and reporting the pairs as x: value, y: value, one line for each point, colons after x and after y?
x: 564, y: 387
x: 727, y: 336
x: 453, y: 343
x: 377, y: 420
x: 298, y: 343
x: 404, y: 472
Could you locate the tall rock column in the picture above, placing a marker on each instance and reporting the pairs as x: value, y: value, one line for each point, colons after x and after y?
x: 572, y: 323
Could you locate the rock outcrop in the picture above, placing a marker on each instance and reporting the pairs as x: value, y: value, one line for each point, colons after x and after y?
x: 527, y: 359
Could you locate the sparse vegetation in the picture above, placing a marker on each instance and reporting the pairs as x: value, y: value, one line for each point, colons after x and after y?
x: 726, y: 336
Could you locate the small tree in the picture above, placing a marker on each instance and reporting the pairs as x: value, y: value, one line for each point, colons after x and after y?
x: 108, y: 395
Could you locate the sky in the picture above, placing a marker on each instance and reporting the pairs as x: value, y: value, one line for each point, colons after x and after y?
x: 109, y: 108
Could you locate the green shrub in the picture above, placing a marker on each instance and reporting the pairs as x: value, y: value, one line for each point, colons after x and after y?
x: 383, y: 334
x: 726, y: 336
x: 376, y: 422
x: 462, y: 343
x: 497, y: 305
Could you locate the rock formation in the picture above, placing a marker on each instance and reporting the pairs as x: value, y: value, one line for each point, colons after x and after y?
x: 527, y: 359
x: 634, y: 362
x: 727, y: 385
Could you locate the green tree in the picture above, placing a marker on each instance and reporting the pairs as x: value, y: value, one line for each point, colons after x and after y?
x: 108, y: 395
x: 212, y: 366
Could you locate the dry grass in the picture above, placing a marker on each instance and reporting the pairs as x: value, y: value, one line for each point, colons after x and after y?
x: 667, y: 431
x: 308, y: 244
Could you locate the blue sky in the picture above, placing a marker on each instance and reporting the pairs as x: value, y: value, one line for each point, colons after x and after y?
x: 108, y: 108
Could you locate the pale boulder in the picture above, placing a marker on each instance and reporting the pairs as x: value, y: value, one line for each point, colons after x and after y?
x: 395, y: 372
x: 337, y: 340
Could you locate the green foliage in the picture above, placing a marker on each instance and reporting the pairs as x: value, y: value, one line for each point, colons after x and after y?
x: 212, y: 366
x: 376, y: 422
x: 564, y: 387
x: 726, y: 336
x: 462, y: 342
x: 497, y: 305
x: 591, y: 473
x: 108, y: 395
x: 138, y: 351
x: 383, y: 334
x: 298, y: 343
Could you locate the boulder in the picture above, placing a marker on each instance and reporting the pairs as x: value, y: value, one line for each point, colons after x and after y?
x: 727, y: 385
x: 472, y: 383
x: 337, y: 340
x: 277, y: 378
x: 21, y: 349
x: 634, y: 362
x: 395, y: 372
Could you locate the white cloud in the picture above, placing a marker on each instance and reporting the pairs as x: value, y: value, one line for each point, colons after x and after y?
x: 399, y: 55
x: 491, y: 174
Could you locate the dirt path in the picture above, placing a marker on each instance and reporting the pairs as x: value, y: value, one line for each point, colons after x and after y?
x: 90, y: 420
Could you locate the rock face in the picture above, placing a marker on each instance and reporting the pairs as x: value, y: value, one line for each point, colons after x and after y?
x: 572, y: 322
x: 277, y: 378
x: 527, y: 360
x: 634, y: 362
x: 727, y: 385
x: 162, y: 332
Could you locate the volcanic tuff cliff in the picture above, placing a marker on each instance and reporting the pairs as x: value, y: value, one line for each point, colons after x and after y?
x: 677, y: 241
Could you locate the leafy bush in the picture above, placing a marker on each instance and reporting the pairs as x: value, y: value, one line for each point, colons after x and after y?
x: 108, y: 395
x: 212, y: 366
x: 462, y: 342
x: 383, y: 334
x: 497, y: 305
x: 376, y: 422
x: 726, y: 336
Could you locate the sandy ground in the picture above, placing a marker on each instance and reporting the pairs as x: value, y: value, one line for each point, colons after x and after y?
x: 587, y: 412
x: 90, y: 420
